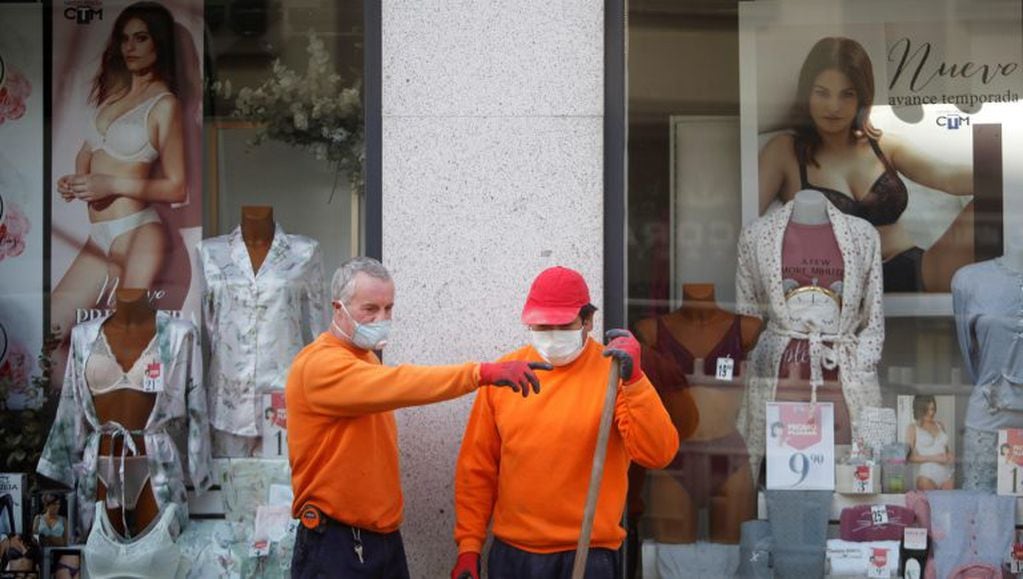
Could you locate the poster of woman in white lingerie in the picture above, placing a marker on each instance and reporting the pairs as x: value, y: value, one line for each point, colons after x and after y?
x: 897, y: 113
x: 127, y: 146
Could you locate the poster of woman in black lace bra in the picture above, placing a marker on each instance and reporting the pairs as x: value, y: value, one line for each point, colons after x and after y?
x: 127, y: 114
x: 894, y: 114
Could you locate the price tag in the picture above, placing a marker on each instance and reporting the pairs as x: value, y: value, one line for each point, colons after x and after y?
x: 915, y: 538
x: 879, y: 514
x: 152, y: 380
x: 260, y: 548
x: 878, y: 566
x: 1015, y: 557
x: 275, y: 426
x: 800, y: 445
x: 864, y: 479
x: 726, y: 368
x: 1010, y: 462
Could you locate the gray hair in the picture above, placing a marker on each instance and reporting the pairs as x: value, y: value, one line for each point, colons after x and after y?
x: 342, y: 287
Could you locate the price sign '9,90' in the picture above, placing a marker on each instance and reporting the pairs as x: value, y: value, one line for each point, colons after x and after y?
x: 800, y: 446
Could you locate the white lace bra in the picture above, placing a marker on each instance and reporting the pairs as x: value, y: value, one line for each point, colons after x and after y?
x: 103, y: 373
x: 151, y: 555
x: 127, y: 136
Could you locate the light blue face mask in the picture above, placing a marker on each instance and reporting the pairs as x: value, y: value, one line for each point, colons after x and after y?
x: 372, y: 336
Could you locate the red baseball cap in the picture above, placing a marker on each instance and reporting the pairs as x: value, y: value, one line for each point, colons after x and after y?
x: 555, y: 297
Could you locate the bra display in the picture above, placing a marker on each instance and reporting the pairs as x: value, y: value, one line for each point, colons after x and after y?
x: 151, y: 555
x: 127, y: 136
x: 103, y: 373
x: 883, y: 204
x: 730, y: 346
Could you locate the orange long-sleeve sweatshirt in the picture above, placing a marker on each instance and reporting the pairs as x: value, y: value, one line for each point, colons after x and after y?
x: 342, y: 436
x: 526, y: 463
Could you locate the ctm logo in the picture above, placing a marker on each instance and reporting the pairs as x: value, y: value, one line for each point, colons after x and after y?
x: 84, y: 12
x: 953, y: 121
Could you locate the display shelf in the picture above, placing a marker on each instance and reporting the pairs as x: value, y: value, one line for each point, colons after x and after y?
x: 842, y: 501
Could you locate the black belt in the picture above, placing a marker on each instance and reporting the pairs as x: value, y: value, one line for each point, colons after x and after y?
x: 313, y: 519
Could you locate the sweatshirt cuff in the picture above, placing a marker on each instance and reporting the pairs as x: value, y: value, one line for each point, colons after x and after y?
x: 470, y: 546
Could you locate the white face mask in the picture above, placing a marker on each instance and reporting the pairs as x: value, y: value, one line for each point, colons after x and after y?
x: 371, y: 336
x: 559, y: 347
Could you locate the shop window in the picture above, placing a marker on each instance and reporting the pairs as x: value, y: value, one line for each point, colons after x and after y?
x: 135, y: 138
x: 817, y: 194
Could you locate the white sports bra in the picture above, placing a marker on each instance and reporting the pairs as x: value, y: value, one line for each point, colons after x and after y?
x: 127, y: 136
x: 151, y: 555
x: 103, y: 373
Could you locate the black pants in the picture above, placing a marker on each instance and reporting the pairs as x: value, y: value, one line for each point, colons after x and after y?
x: 329, y: 553
x: 508, y: 562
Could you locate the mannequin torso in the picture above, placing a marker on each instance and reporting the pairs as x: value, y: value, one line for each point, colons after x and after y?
x: 1013, y: 260
x: 699, y: 325
x: 257, y: 227
x: 128, y: 332
x: 811, y: 208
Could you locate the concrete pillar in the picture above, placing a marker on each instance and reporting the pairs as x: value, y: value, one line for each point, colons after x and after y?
x: 492, y: 171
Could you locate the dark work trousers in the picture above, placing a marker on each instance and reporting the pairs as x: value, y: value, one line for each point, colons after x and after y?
x: 508, y: 562
x: 329, y: 553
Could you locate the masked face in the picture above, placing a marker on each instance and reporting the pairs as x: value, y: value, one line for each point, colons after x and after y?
x: 559, y: 347
x: 371, y: 336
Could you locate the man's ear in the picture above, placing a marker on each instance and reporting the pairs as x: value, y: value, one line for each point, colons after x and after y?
x: 588, y: 324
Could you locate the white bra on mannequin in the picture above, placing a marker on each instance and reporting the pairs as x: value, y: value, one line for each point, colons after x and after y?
x: 151, y: 555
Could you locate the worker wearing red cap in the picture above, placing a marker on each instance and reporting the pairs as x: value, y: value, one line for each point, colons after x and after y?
x: 342, y: 437
x: 525, y: 467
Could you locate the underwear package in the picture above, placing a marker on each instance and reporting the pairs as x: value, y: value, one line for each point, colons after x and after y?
x: 755, y: 550
x: 857, y: 523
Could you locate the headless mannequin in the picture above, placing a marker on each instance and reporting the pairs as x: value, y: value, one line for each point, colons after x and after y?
x: 811, y: 208
x: 257, y: 232
x: 1013, y: 256
x: 258, y: 229
x: 699, y: 325
x: 128, y: 332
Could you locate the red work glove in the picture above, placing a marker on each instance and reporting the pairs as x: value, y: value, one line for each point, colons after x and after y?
x: 517, y: 375
x: 467, y: 566
x: 625, y: 348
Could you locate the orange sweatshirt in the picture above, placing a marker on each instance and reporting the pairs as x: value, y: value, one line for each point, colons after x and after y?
x: 342, y: 437
x: 526, y: 463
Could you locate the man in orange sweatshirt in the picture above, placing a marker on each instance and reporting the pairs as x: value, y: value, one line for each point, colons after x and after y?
x: 342, y: 437
x: 526, y: 467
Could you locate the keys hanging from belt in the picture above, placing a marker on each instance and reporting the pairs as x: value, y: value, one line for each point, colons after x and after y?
x: 357, y: 539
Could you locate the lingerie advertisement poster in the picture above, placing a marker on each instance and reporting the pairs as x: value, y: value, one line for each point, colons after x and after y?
x: 21, y: 204
x: 127, y: 154
x: 904, y: 114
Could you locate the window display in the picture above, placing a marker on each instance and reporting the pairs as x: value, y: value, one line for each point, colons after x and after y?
x: 112, y: 436
x: 711, y: 469
x: 842, y: 333
x: 988, y: 301
x: 853, y: 155
x: 262, y: 302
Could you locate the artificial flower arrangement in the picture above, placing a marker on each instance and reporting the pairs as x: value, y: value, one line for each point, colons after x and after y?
x: 311, y: 110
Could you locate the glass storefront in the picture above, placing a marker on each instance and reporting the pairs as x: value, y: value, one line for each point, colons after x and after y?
x: 824, y: 264
x: 820, y: 197
x: 145, y: 219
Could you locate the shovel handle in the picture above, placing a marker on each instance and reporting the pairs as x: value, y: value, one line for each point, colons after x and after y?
x: 582, y: 549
